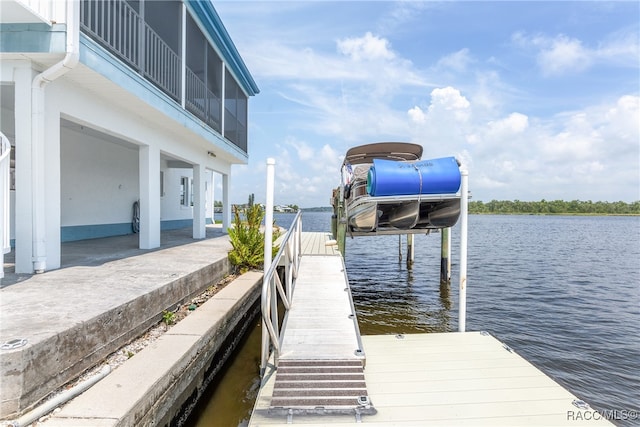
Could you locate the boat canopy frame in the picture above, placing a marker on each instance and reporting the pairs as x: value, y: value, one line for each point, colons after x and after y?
x: 383, y: 150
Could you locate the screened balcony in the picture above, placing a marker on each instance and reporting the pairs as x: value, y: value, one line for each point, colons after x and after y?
x: 150, y: 37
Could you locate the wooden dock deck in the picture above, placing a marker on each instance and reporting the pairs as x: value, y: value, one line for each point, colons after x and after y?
x: 329, y: 375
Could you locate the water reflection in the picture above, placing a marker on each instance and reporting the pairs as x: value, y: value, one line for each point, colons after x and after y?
x: 229, y: 400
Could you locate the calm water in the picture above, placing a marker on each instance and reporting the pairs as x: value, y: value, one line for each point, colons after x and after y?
x: 564, y: 292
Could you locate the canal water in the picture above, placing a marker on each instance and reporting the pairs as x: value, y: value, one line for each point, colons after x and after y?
x: 562, y: 291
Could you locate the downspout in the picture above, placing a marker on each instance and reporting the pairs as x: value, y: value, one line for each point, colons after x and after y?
x: 70, y: 60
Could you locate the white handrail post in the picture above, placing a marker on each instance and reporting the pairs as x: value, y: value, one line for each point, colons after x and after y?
x: 464, y: 199
x: 268, y: 240
x: 268, y: 215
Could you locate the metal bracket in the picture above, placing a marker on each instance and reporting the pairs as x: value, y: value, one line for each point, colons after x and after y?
x: 581, y: 404
x: 12, y: 344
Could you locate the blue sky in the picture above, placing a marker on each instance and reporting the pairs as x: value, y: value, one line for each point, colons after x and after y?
x: 539, y: 100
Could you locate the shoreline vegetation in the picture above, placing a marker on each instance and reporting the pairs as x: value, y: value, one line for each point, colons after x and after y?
x: 542, y: 207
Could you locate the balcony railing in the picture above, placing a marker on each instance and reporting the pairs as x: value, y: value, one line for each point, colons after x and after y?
x: 120, y: 29
x: 162, y: 65
x: 115, y: 25
x: 201, y: 101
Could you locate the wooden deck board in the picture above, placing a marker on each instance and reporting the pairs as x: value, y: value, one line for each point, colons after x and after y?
x: 318, y: 243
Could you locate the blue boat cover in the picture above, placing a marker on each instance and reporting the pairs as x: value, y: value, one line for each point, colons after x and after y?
x: 395, y: 178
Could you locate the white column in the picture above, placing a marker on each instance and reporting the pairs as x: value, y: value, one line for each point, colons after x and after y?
x: 210, y: 209
x: 52, y: 182
x: 199, y: 207
x: 149, y: 160
x: 24, y: 203
x: 38, y: 165
x: 226, y: 204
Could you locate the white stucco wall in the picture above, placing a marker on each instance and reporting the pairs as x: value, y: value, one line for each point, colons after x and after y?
x: 98, y: 180
x: 170, y: 207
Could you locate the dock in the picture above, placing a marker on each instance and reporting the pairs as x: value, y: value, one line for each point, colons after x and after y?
x: 325, y: 373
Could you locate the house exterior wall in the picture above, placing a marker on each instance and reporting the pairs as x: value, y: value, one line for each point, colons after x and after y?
x: 96, y: 134
x: 99, y: 182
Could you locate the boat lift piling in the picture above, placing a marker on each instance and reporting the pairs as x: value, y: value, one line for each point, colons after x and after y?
x: 445, y: 256
x: 411, y: 253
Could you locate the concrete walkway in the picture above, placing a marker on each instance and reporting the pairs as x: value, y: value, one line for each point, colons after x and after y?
x: 106, y: 293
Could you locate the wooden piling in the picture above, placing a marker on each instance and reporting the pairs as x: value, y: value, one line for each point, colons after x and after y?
x: 445, y: 276
x: 410, y: 251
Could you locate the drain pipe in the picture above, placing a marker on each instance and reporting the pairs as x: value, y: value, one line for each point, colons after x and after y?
x: 60, y: 399
x: 38, y: 207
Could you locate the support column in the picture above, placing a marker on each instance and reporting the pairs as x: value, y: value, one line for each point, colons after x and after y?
x: 210, y: 196
x: 52, y: 183
x: 199, y: 207
x: 38, y: 165
x: 24, y: 203
x: 226, y: 204
x: 149, y: 170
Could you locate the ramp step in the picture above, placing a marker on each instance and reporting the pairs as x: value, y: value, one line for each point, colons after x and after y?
x: 320, y: 387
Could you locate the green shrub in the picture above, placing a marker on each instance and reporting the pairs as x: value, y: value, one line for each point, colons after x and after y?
x: 168, y: 317
x: 247, y: 239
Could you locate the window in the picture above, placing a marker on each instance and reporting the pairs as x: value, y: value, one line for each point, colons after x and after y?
x: 185, y: 191
x: 203, y: 77
x: 235, y: 113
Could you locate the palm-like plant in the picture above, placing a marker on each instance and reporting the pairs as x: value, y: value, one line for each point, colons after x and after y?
x: 247, y: 239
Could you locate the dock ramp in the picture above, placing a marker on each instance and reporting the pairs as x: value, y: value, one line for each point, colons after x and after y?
x: 317, y: 367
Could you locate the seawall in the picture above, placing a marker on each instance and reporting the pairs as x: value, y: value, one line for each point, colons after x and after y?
x: 161, y: 384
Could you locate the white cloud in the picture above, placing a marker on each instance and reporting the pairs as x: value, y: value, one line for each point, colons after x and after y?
x: 520, y: 157
x: 448, y: 99
x: 446, y: 104
x: 458, y: 61
x: 305, y: 151
x: 562, y: 54
x: 513, y: 124
x: 366, y: 48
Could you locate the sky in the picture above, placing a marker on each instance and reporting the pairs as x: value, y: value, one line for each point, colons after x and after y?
x: 538, y: 100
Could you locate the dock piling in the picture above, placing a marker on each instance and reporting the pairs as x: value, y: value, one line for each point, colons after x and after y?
x: 410, y: 251
x: 445, y: 250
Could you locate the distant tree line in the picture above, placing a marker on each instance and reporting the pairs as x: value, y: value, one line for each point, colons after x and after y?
x: 554, y: 207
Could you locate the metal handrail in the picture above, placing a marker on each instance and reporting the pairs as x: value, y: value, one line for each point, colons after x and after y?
x: 288, y: 256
